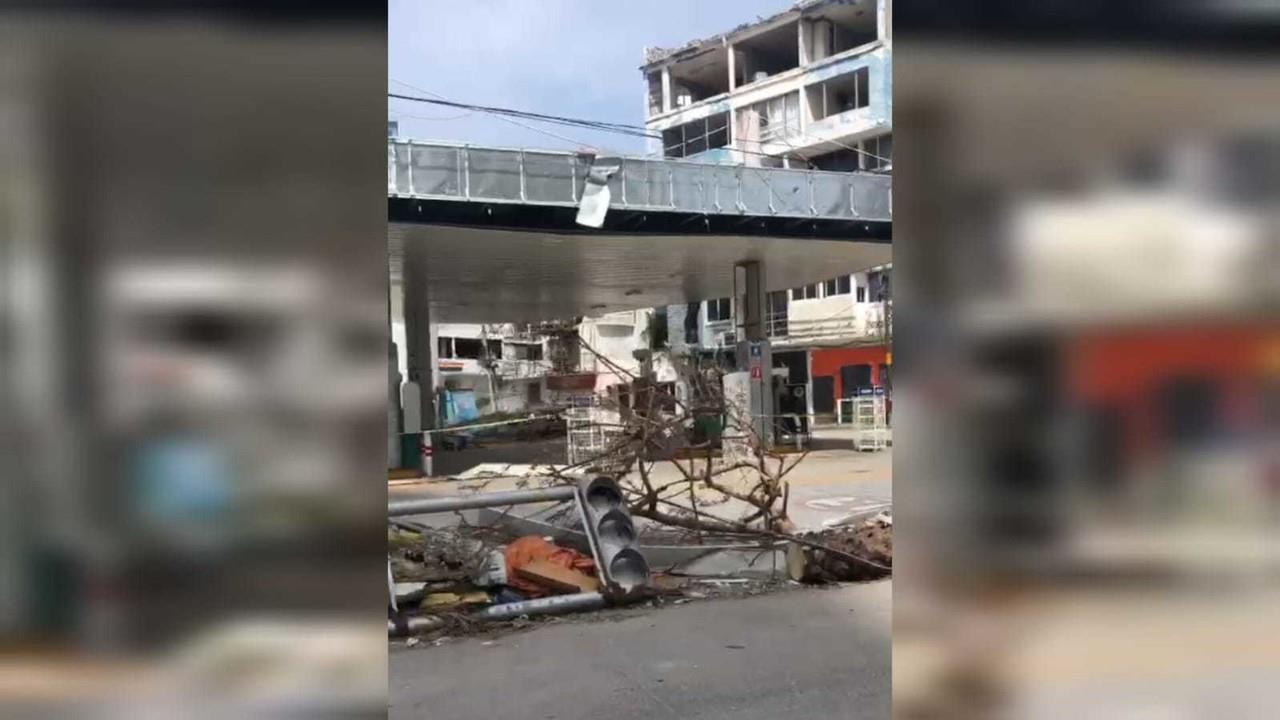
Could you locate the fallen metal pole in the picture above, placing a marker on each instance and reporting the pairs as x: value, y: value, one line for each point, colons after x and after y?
x: 556, y: 604
x: 544, y: 606
x: 425, y: 506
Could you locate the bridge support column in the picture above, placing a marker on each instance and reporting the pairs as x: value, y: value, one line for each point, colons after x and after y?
x: 418, y: 394
x: 753, y: 352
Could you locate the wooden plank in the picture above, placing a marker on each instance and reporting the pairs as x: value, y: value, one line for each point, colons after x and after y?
x: 558, y: 577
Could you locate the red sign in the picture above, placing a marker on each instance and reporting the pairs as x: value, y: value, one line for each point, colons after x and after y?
x: 755, y: 373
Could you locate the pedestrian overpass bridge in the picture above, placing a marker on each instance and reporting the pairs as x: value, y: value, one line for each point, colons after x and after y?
x: 493, y: 235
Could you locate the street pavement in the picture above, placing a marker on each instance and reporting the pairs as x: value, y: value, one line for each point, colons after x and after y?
x: 810, y: 653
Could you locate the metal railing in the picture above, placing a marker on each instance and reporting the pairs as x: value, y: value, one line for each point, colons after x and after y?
x: 520, y: 369
x: 442, y: 171
x: 861, y: 321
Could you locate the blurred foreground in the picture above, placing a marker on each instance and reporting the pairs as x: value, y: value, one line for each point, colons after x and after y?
x: 1088, y: 388
x: 193, y: 370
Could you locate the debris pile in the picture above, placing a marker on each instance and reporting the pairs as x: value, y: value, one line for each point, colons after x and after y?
x: 449, y: 580
x: 851, y: 552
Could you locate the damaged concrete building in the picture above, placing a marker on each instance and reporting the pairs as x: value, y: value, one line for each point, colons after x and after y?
x: 808, y: 88
x: 811, y: 87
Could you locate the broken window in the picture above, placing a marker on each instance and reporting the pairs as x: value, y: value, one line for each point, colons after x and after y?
x: 842, y: 160
x: 836, y: 286
x: 655, y: 93
x: 697, y: 136
x: 767, y: 54
x: 850, y: 91
x: 526, y: 351
x: 776, y: 322
x: 780, y: 117
x: 444, y: 347
x: 878, y: 284
x: 698, y: 77
x: 658, y: 331
x: 691, y: 324
x: 468, y: 348
x: 720, y: 309
x: 493, y: 349
x: 838, y: 27
x: 805, y: 292
x: 773, y: 119
x: 877, y: 153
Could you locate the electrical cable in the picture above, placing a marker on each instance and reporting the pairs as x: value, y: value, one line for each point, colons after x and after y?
x: 557, y: 119
x: 509, y: 120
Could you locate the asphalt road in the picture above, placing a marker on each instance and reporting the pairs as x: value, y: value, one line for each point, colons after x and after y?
x: 806, y: 653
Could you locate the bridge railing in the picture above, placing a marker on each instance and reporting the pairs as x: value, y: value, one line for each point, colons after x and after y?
x: 538, y: 177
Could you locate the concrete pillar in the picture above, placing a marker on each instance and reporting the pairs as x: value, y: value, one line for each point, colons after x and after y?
x: 753, y: 298
x: 419, y: 346
x: 393, y: 404
x: 733, y: 70
x: 666, y: 88
x: 805, y: 28
x: 753, y: 351
x: 808, y: 386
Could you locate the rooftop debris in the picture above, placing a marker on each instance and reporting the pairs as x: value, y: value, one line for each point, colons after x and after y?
x: 654, y: 55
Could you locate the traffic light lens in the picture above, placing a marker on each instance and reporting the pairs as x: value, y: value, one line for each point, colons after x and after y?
x: 629, y: 569
x: 615, y: 529
x: 603, y: 495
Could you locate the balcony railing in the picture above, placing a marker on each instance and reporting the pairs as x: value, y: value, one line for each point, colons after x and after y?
x: 522, y: 369
x: 442, y: 171
x: 862, y: 322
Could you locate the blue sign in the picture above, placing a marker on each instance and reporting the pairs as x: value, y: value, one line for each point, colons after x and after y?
x: 755, y: 349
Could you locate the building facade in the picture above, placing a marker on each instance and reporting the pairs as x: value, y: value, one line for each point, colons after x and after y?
x: 811, y: 87
x: 833, y: 337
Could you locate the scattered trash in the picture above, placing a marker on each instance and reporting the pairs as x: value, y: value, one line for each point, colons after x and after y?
x: 412, y: 642
x: 478, y: 597
x: 494, y: 571
x: 533, y: 549
x: 506, y: 595
x: 547, y: 574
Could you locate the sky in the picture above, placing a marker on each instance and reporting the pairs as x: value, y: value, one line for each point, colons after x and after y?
x: 577, y: 58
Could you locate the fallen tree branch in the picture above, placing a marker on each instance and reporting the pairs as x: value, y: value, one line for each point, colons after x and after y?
x: 739, y: 529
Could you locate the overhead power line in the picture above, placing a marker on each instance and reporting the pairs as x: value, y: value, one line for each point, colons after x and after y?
x: 634, y: 130
x: 508, y: 114
x: 509, y: 121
